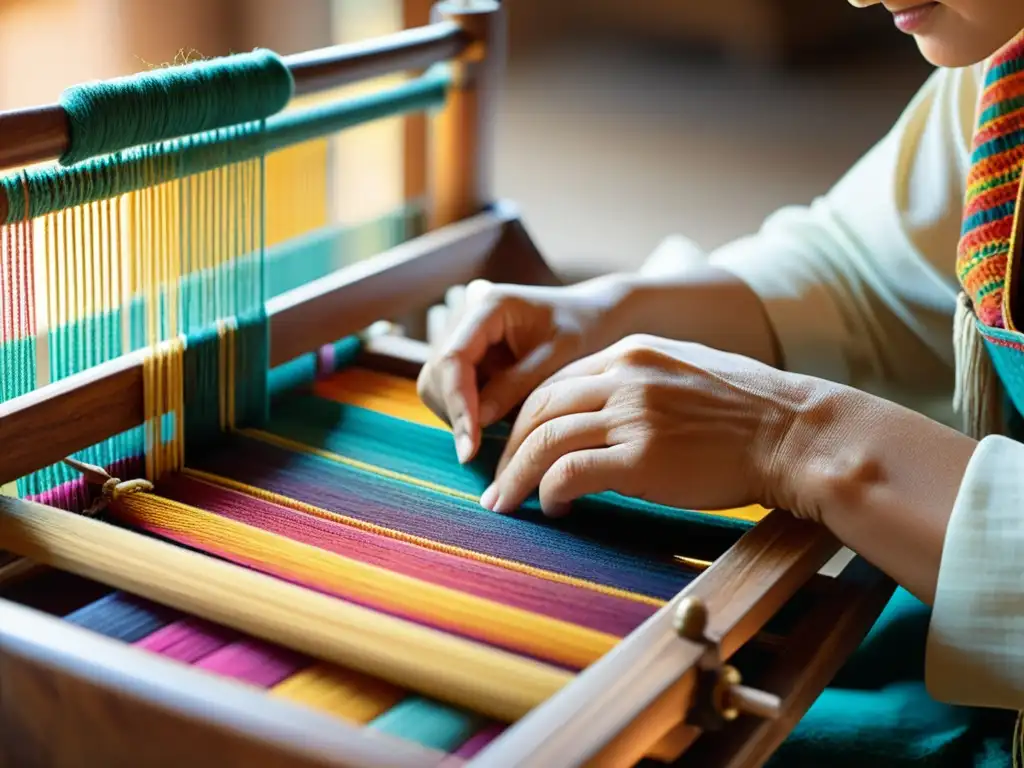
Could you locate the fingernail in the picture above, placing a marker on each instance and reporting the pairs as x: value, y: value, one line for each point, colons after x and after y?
x: 488, y: 413
x: 489, y: 497
x: 463, y: 447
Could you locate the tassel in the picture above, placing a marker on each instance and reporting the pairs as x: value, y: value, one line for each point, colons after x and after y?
x: 977, y: 394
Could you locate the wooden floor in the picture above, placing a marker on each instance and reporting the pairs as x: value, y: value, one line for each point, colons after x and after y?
x: 608, y: 150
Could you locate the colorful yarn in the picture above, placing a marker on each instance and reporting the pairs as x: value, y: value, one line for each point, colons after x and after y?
x: 110, y: 115
x: 479, y: 740
x: 189, y: 640
x: 576, y: 604
x: 450, y: 521
x: 254, y: 662
x: 343, y: 693
x: 428, y: 723
x: 993, y: 184
x: 124, y: 617
x: 460, y: 613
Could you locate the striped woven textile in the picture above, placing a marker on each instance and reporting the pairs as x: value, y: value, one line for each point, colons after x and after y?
x: 993, y: 186
x: 352, y: 482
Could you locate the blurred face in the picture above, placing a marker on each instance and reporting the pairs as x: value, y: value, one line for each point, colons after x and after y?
x: 955, y: 33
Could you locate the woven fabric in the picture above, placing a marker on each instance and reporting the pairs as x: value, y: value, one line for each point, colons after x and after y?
x: 355, y: 487
x: 993, y: 184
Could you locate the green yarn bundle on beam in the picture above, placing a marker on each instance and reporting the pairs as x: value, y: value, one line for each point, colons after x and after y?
x: 55, y: 188
x: 112, y: 115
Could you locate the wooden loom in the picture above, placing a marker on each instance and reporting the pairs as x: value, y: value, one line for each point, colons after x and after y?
x: 68, y: 697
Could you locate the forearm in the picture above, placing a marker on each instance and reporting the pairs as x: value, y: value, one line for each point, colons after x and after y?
x: 702, y: 304
x: 882, y: 478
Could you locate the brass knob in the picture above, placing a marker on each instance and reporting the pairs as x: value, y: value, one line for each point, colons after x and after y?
x: 691, y: 619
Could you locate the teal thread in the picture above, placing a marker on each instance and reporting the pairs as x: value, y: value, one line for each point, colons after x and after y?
x: 56, y: 188
x: 162, y: 104
x: 428, y: 723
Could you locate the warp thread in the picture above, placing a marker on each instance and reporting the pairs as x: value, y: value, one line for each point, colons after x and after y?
x: 111, y: 115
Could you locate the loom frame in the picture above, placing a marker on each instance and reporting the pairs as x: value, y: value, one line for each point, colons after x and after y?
x: 66, y: 692
x: 644, y: 712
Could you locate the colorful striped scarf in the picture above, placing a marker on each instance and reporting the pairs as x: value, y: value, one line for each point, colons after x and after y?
x: 993, y: 184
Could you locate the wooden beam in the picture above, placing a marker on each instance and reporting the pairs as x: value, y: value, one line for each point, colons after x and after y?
x: 633, y: 697
x: 42, y: 133
x: 72, y: 697
x: 814, y: 652
x: 399, y: 651
x: 405, y: 278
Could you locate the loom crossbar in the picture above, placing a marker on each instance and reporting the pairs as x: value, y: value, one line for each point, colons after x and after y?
x: 38, y: 134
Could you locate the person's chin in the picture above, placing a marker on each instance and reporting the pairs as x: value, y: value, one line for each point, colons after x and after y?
x: 942, y: 53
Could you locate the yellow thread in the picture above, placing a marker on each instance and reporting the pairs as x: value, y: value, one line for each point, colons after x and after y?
x: 511, y: 565
x: 86, y: 257
x: 52, y: 277
x: 79, y: 287
x: 232, y: 364
x: 693, y: 562
x: 344, y: 693
x: 222, y: 407
x: 561, y: 642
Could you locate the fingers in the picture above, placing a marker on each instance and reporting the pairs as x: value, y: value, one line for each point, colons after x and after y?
x: 509, y: 387
x: 449, y: 386
x: 441, y: 318
x: 553, y: 401
x: 587, y: 472
x: 543, y: 448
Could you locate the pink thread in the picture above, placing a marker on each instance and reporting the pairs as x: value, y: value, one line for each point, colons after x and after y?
x: 189, y: 640
x: 254, y: 662
x: 479, y: 740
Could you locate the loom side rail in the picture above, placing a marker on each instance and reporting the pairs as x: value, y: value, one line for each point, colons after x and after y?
x: 38, y: 134
x: 69, y: 692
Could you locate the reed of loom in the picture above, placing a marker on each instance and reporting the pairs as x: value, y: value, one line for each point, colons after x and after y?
x: 660, y: 692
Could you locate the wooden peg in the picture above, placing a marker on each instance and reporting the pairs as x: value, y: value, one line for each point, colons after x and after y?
x: 751, y: 701
x: 732, y: 699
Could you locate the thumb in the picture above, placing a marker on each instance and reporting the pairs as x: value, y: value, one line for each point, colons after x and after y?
x: 509, y: 387
x: 449, y: 383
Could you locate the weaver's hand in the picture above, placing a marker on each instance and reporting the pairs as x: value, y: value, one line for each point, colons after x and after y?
x: 671, y: 422
x: 501, y: 341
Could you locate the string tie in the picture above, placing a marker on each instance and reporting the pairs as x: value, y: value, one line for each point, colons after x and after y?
x: 111, y: 488
x: 110, y: 115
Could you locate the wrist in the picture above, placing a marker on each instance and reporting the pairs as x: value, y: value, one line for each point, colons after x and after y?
x: 701, y: 303
x: 844, y: 451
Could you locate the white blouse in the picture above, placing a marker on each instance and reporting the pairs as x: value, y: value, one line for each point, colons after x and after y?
x: 860, y: 288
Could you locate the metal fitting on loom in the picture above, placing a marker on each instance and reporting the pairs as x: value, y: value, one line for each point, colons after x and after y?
x: 111, y: 488
x: 719, y: 697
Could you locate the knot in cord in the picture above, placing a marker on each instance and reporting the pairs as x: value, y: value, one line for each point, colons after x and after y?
x: 111, y: 488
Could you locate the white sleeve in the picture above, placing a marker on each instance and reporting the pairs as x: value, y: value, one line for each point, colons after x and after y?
x: 859, y: 286
x: 975, y: 654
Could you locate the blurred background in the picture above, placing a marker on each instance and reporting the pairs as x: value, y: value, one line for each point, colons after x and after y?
x: 622, y: 121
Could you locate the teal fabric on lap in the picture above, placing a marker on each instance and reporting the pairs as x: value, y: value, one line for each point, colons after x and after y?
x: 877, y: 712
